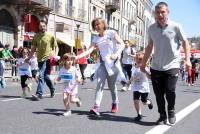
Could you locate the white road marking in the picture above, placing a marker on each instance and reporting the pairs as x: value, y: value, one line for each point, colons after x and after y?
x: 160, y: 129
x: 11, y: 99
x: 6, y: 100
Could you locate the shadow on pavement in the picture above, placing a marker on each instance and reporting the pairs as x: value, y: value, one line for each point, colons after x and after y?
x: 110, y: 117
x: 9, y: 96
x: 56, y: 112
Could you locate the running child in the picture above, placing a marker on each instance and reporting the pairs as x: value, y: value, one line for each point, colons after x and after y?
x: 140, y: 86
x: 24, y: 70
x: 71, y: 77
x: 34, y: 66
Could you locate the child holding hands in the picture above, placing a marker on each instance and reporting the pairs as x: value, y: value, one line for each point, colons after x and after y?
x: 24, y: 70
x: 70, y: 76
x: 140, y: 86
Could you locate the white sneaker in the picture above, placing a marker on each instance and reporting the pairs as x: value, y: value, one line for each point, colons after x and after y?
x: 129, y: 88
x: 29, y: 86
x: 124, y: 88
x: 68, y: 113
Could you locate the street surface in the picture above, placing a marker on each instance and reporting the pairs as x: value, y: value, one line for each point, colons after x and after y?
x: 24, y: 116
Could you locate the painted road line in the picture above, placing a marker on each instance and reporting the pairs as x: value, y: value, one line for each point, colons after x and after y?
x: 160, y: 129
x: 14, y: 99
x: 11, y: 99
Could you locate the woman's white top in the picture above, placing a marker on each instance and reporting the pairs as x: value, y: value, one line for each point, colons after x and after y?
x: 126, y: 58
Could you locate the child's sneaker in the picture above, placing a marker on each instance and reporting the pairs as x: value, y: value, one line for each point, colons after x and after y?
x: 23, y: 95
x: 2, y: 82
x: 92, y: 77
x: 138, y: 118
x: 67, y: 113
x: 29, y: 87
x: 95, y: 111
x: 150, y: 105
x: 123, y: 88
x: 114, y: 108
x: 79, y: 103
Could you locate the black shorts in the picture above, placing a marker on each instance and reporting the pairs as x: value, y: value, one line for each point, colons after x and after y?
x: 137, y: 95
x: 34, y: 73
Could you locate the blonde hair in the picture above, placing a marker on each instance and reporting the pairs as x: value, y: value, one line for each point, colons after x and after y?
x: 101, y: 20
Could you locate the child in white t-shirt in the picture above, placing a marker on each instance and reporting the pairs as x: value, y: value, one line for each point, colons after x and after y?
x: 34, y: 67
x: 140, y: 86
x: 24, y: 70
x: 71, y: 77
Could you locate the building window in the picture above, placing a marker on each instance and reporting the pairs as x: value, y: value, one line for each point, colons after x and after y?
x: 94, y: 10
x: 101, y: 14
x: 114, y: 22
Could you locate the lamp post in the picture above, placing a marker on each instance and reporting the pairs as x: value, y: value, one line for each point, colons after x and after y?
x: 77, y: 26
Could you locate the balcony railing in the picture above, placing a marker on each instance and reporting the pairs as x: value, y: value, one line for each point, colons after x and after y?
x: 112, y: 6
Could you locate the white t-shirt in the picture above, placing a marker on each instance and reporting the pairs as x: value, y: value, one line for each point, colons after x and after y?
x: 23, y: 67
x: 69, y: 76
x: 106, y: 44
x: 126, y: 58
x: 141, y: 82
x: 34, y: 63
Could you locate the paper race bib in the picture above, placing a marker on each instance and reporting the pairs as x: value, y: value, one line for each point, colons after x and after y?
x: 66, y: 76
x: 23, y: 69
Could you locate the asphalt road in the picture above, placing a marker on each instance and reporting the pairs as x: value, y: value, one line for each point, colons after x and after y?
x: 24, y: 116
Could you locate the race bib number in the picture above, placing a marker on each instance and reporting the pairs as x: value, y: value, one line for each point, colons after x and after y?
x: 66, y: 76
x: 23, y: 69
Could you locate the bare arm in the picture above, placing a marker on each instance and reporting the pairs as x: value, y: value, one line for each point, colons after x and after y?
x: 186, y: 48
x: 121, y: 45
x: 90, y: 49
x: 148, y: 52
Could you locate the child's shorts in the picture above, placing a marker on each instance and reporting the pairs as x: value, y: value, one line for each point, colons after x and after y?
x: 34, y: 73
x: 72, y: 91
x: 137, y: 95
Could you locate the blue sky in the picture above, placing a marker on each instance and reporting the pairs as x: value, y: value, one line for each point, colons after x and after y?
x: 185, y: 12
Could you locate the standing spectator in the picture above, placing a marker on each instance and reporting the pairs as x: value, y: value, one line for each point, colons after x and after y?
x: 191, y: 72
x: 2, y: 66
x: 165, y: 37
x: 5, y: 56
x: 127, y: 62
x: 196, y: 71
x: 110, y: 46
x: 45, y: 45
x: 82, y: 62
x: 13, y: 62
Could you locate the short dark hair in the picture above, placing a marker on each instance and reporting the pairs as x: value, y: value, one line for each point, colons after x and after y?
x: 160, y: 4
x: 98, y: 19
x: 43, y: 21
